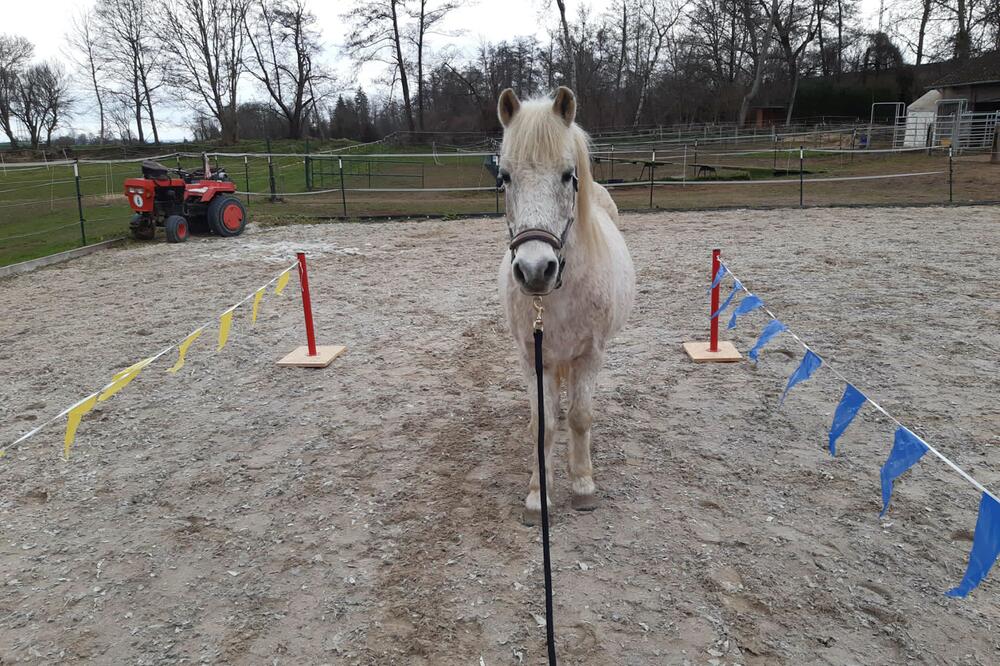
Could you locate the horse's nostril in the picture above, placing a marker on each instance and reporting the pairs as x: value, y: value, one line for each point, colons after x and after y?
x: 518, y: 275
x: 550, y: 269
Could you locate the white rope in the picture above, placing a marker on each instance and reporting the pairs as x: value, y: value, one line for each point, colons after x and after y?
x: 372, y: 189
x: 788, y: 181
x: 136, y: 159
x: 43, y: 231
x: 36, y: 429
x: 374, y: 157
x: 965, y: 475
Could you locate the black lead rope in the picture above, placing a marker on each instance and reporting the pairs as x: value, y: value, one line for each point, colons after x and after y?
x: 550, y: 637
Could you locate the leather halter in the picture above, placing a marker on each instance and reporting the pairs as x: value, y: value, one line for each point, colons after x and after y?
x: 557, y: 243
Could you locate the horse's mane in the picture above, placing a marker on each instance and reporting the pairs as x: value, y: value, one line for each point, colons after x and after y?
x: 538, y: 137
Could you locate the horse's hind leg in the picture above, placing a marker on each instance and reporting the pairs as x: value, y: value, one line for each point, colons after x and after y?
x: 533, y: 503
x: 582, y: 378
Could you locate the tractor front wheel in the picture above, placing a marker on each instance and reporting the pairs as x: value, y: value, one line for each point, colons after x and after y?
x: 142, y: 227
x: 177, y: 229
x: 227, y: 216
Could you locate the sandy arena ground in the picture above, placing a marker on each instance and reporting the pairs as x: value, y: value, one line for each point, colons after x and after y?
x: 369, y: 513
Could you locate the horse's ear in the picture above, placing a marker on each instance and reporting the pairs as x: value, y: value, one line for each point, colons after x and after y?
x: 507, y: 106
x: 564, y: 105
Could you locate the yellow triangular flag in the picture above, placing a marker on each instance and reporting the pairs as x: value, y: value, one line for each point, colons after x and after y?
x: 183, y: 348
x: 256, y: 304
x: 123, y: 378
x: 282, y: 282
x: 225, y: 321
x: 73, y: 421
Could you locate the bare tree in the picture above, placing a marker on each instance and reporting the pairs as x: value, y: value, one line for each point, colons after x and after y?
x: 285, y: 45
x: 42, y: 101
x: 84, y: 53
x: 759, y: 19
x: 120, y: 117
x: 426, y: 17
x: 795, y: 25
x: 568, y: 47
x: 206, y: 40
x: 926, y: 8
x: 15, y: 52
x: 126, y: 32
x: 377, y: 36
x: 659, y: 18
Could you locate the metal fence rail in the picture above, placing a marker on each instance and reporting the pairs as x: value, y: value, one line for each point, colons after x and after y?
x: 50, y: 206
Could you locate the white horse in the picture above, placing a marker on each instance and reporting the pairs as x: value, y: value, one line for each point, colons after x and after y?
x: 566, y: 247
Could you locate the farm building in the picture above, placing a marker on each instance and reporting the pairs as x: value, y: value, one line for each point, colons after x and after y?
x: 978, y: 82
x: 766, y: 115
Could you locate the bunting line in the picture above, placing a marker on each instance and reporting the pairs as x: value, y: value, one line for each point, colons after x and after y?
x: 907, y: 449
x: 78, y: 409
x: 943, y: 458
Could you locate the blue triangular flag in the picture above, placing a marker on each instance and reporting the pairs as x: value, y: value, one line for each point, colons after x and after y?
x: 907, y: 449
x: 725, y: 304
x: 718, y: 278
x: 985, y: 547
x: 749, y: 303
x: 849, y: 405
x: 805, y: 370
x: 772, y: 329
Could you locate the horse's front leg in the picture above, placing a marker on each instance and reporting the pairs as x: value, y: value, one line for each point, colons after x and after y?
x: 582, y: 379
x: 550, y: 381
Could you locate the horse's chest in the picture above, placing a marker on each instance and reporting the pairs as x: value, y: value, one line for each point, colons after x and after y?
x: 575, y: 323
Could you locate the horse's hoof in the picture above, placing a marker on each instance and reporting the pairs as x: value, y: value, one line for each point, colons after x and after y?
x: 584, y: 502
x: 531, y: 518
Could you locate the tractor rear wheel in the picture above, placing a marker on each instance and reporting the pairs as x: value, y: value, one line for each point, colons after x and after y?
x: 142, y: 227
x: 227, y: 216
x: 177, y: 229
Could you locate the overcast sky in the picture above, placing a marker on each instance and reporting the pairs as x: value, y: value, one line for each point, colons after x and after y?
x: 473, y: 23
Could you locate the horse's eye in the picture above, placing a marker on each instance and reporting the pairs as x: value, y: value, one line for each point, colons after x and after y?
x: 567, y: 176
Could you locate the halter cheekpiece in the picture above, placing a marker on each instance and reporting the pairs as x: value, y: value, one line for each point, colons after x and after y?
x: 557, y: 243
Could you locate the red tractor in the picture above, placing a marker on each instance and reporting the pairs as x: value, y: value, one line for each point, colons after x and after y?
x: 183, y: 201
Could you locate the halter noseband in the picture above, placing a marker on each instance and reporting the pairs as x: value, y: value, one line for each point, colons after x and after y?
x: 557, y: 243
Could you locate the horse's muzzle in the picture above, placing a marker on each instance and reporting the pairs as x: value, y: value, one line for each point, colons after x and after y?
x: 536, y: 274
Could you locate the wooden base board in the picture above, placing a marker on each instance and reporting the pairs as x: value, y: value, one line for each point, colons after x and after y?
x: 300, y: 358
x: 698, y: 351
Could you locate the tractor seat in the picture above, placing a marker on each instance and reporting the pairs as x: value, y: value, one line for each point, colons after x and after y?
x: 154, y: 170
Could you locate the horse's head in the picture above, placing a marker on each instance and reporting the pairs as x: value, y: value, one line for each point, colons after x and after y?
x: 538, y: 169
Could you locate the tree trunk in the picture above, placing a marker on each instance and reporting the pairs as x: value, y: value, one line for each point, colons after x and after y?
x: 762, y: 49
x: 402, y: 66
x: 420, y: 64
x: 840, y: 37
x: 925, y: 17
x: 621, y: 62
x: 568, y: 45
x: 149, y: 108
x: 963, y: 40
x: 152, y: 120
x: 794, y: 90
x: 97, y: 94
x: 137, y: 98
x: 824, y: 69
